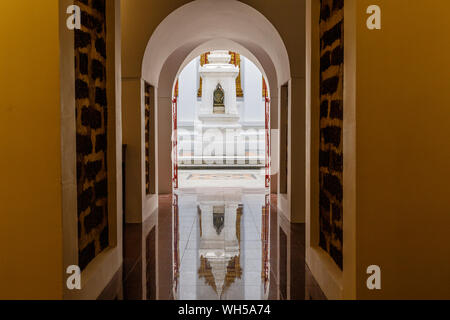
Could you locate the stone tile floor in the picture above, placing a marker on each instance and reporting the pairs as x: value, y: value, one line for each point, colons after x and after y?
x: 217, y: 243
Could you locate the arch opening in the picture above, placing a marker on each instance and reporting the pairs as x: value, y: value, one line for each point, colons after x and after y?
x: 175, y: 42
x: 183, y: 35
x: 221, y: 121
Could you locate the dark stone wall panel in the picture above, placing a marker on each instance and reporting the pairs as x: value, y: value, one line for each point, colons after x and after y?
x: 91, y: 126
x: 331, y: 128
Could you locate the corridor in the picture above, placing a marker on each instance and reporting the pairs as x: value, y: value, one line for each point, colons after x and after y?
x: 216, y: 243
x: 225, y: 149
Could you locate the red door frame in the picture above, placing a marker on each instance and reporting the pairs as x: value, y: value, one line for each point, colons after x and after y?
x: 265, y: 236
x: 174, y: 143
x: 267, y: 141
x: 176, y: 241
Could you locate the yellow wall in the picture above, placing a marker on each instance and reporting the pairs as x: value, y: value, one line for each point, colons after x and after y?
x: 403, y: 149
x: 150, y: 13
x: 30, y: 188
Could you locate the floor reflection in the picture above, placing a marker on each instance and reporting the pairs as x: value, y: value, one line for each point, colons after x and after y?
x: 216, y: 243
x: 223, y: 251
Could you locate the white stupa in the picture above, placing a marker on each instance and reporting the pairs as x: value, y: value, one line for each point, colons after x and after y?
x: 218, y: 104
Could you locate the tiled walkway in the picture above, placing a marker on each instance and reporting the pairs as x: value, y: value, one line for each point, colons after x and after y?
x: 217, y: 243
x: 249, y: 178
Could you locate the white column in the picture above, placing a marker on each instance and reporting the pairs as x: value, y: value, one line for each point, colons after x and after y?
x: 230, y: 95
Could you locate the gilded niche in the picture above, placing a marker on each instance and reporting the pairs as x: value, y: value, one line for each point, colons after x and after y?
x: 219, y: 97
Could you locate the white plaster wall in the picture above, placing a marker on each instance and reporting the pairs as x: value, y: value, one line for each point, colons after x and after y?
x: 254, y: 105
x: 187, y: 89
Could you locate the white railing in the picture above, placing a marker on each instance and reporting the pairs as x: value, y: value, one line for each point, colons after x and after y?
x: 221, y: 147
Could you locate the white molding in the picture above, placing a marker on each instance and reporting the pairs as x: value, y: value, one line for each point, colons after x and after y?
x: 326, y: 272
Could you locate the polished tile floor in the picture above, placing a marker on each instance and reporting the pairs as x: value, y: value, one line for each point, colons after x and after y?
x: 215, y: 243
x: 218, y: 237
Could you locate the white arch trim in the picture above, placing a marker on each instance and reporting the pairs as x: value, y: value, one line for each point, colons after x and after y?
x: 203, y: 20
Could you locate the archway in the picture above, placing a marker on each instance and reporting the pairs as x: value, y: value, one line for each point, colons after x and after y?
x: 185, y: 33
x: 232, y: 147
x: 203, y: 26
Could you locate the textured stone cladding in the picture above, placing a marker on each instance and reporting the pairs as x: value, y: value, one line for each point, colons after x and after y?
x: 331, y: 127
x: 91, y: 127
x: 147, y: 137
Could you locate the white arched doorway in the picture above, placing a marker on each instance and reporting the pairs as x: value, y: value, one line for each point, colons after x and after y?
x: 251, y: 124
x: 185, y: 33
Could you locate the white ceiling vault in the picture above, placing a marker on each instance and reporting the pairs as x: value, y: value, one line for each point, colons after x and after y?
x: 206, y: 25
